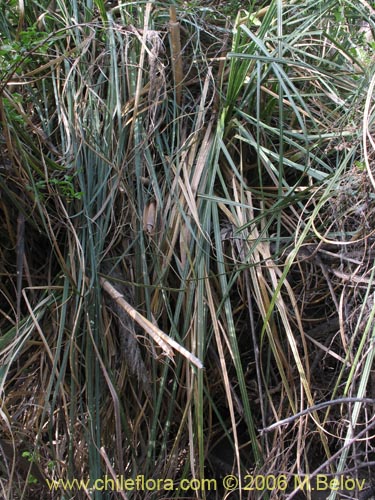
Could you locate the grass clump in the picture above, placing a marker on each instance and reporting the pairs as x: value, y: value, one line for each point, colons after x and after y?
x: 173, y: 169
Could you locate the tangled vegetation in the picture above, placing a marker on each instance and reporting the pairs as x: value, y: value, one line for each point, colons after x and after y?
x: 187, y: 244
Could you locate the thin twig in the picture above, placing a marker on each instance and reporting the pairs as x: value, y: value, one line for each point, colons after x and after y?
x: 311, y: 409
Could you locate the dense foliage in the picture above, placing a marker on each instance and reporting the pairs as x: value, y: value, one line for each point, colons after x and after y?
x: 185, y: 186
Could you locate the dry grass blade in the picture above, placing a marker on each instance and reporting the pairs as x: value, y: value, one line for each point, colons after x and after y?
x: 176, y: 54
x: 366, y: 133
x: 163, y: 340
x: 175, y: 170
x: 112, y: 472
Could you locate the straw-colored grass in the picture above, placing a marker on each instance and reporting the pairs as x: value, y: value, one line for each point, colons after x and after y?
x: 187, y: 244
